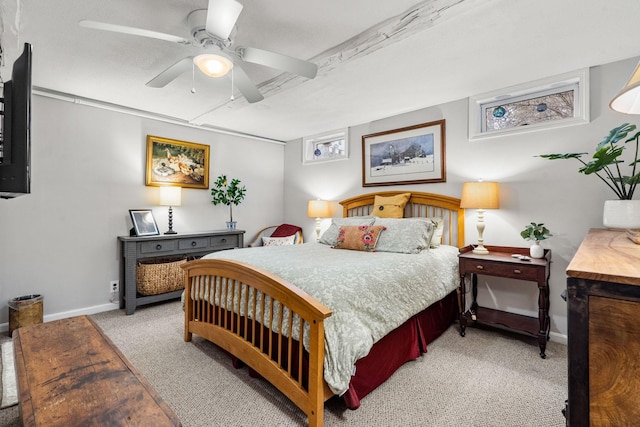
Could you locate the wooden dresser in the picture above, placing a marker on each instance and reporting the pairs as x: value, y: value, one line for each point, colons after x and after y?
x: 604, y: 334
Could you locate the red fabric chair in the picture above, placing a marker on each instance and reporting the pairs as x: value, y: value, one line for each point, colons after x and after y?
x: 283, y: 230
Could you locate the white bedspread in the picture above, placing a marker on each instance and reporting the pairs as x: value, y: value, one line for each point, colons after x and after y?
x: 369, y: 293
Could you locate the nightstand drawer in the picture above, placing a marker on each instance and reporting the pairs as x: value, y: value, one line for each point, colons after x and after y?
x: 519, y: 271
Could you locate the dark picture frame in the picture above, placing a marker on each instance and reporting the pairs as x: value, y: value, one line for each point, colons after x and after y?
x: 409, y: 155
x: 144, y: 224
x: 181, y: 163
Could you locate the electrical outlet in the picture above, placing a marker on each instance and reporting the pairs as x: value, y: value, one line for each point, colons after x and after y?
x: 114, y: 286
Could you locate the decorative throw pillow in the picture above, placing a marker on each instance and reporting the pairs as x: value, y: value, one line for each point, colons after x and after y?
x: 436, y: 239
x: 405, y: 235
x: 359, y: 237
x: 390, y: 207
x: 331, y: 234
x: 278, y: 241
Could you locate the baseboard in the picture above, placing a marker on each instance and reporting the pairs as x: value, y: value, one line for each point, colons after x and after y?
x: 558, y: 337
x: 4, y: 327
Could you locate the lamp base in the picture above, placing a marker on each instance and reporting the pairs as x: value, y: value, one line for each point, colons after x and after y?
x: 480, y: 250
x: 170, y: 232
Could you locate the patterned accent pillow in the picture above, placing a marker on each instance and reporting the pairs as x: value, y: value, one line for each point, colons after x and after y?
x: 436, y: 239
x: 331, y: 234
x: 390, y: 207
x: 278, y: 241
x: 405, y: 235
x: 359, y: 237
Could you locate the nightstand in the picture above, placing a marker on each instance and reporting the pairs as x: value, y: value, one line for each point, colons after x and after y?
x: 500, y: 263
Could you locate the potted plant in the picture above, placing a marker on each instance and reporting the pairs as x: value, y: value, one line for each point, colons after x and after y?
x: 227, y: 193
x: 605, y: 164
x: 536, y: 232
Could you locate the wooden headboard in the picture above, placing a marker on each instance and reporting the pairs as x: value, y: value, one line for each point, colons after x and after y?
x: 420, y: 205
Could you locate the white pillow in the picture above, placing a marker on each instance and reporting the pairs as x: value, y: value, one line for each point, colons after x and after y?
x: 405, y: 235
x: 278, y: 241
x: 330, y: 236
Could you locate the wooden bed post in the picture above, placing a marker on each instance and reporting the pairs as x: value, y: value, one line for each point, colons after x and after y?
x: 187, y: 307
x: 316, y: 375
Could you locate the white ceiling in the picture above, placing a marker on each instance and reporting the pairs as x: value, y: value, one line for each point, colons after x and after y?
x: 372, y: 63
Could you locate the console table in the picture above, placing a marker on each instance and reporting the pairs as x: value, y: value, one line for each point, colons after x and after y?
x: 135, y: 249
x: 603, y: 288
x: 499, y: 262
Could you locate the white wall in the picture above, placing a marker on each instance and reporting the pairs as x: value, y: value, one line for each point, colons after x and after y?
x: 532, y: 189
x: 88, y: 166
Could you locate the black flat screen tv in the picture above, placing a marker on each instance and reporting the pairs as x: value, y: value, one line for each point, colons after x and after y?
x: 15, y: 148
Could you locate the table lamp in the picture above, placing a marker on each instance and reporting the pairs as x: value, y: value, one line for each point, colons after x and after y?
x: 480, y: 195
x: 318, y: 209
x: 170, y: 196
x: 628, y: 99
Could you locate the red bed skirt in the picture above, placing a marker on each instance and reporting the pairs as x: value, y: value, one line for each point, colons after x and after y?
x: 407, y: 342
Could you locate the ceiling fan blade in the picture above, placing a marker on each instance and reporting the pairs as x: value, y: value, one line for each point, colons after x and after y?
x: 245, y: 85
x: 222, y: 16
x: 132, y: 30
x: 279, y: 61
x: 171, y: 73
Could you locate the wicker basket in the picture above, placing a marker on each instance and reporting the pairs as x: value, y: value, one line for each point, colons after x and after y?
x: 159, y: 277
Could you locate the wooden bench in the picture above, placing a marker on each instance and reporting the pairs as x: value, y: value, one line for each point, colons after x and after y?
x: 70, y: 373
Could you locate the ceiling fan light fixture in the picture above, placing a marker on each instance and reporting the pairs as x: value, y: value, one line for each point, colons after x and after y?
x: 213, y: 65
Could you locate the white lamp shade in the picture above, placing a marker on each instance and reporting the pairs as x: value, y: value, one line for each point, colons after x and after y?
x: 480, y: 195
x: 628, y: 99
x: 318, y: 209
x: 213, y: 65
x: 170, y: 196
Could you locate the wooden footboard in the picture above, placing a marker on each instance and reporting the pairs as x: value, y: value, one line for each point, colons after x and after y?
x: 259, y: 318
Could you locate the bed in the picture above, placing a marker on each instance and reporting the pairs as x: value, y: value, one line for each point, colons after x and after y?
x: 261, y: 310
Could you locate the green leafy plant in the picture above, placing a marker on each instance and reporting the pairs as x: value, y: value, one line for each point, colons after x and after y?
x: 606, y: 161
x: 535, y: 231
x: 227, y: 193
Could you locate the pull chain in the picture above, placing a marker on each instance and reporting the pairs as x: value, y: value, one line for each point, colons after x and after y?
x: 193, y: 77
x: 232, y: 97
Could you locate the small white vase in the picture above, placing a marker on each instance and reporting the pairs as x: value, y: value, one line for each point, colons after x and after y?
x: 621, y: 214
x: 536, y: 251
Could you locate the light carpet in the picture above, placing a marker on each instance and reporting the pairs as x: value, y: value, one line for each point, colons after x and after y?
x: 487, y: 378
x: 9, y: 389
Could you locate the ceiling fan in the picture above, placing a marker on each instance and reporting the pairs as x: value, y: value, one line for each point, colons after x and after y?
x: 211, y: 29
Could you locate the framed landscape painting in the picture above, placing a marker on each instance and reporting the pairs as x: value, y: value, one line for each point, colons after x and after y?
x: 410, y: 155
x: 185, y: 164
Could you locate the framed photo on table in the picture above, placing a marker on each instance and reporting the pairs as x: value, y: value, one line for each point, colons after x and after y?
x: 144, y: 224
x: 409, y: 155
x: 181, y: 163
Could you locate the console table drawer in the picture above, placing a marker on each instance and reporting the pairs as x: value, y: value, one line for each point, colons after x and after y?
x: 158, y: 246
x: 230, y: 241
x: 193, y: 243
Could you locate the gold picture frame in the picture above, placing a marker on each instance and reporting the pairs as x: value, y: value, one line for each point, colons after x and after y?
x: 179, y: 163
